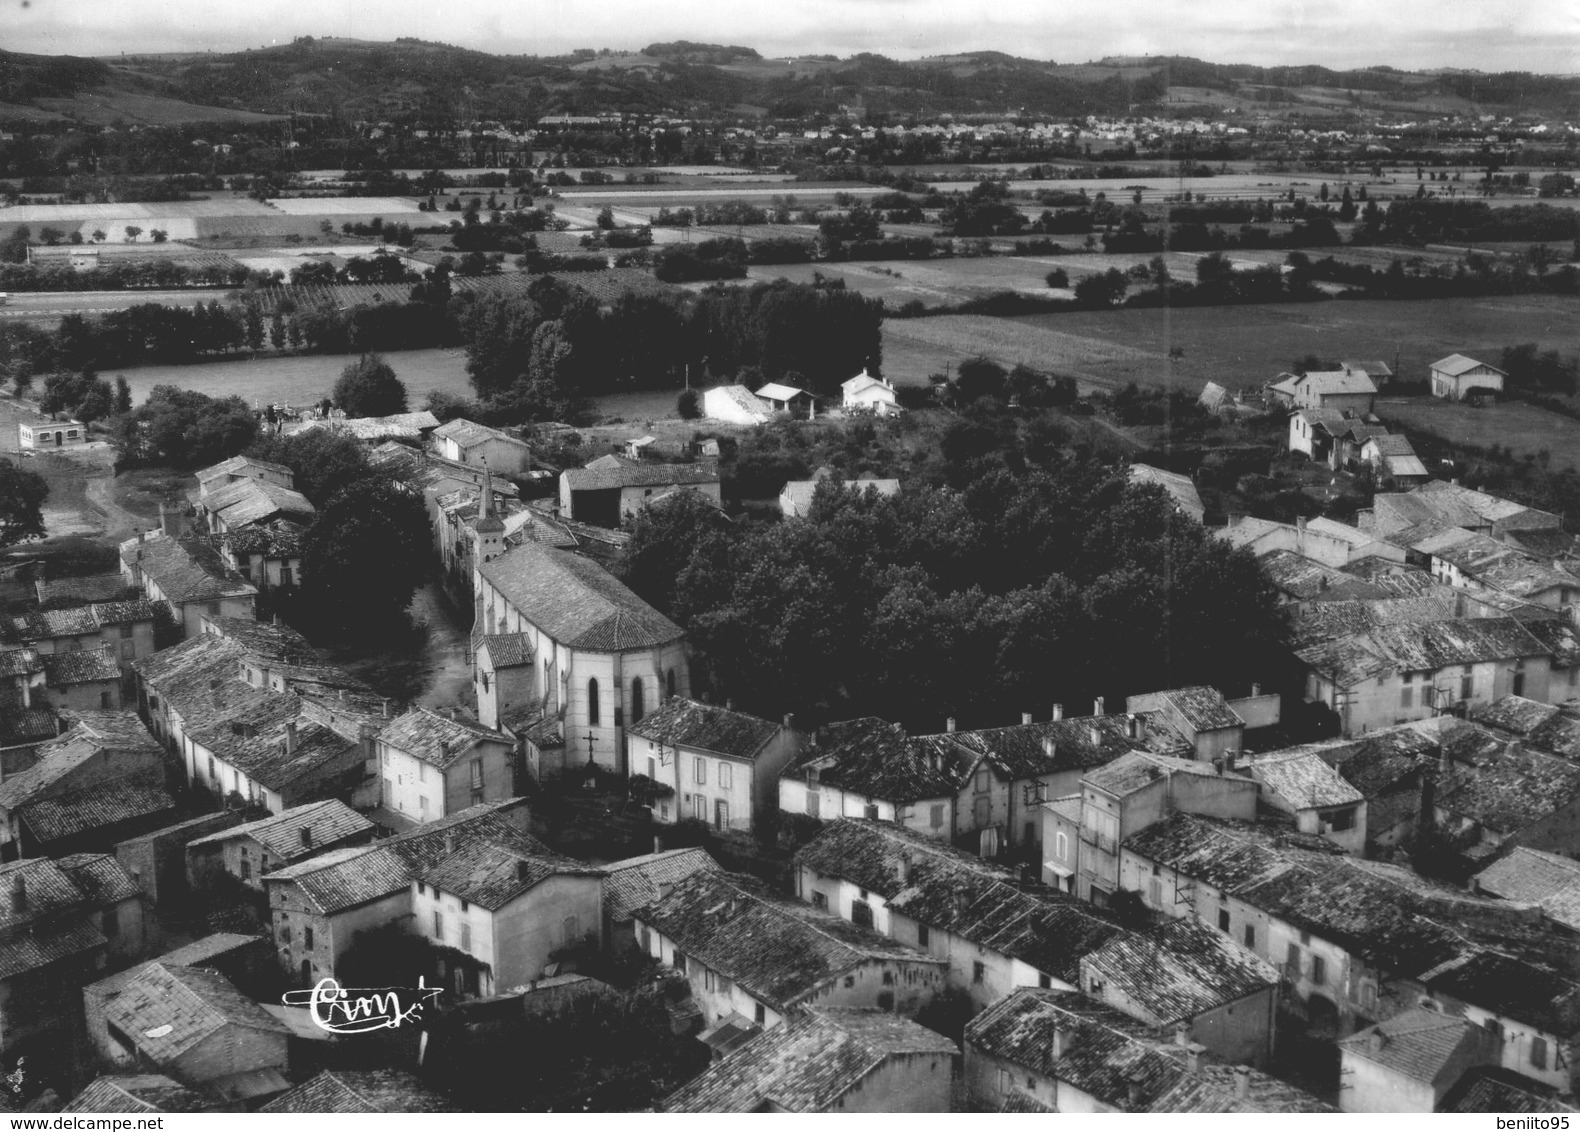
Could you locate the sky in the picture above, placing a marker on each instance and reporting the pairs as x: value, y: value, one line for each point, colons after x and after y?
x: 1486, y: 35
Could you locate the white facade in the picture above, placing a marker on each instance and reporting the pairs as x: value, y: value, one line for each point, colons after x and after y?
x: 51, y: 434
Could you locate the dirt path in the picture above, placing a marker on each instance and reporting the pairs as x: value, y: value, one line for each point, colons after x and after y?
x: 120, y: 524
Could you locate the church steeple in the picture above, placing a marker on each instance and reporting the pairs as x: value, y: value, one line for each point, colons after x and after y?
x: 490, y: 530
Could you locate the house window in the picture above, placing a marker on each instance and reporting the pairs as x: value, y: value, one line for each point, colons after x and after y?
x: 721, y: 814
x: 438, y: 925
x: 1061, y: 846
x: 1518, y: 685
x: 699, y: 807
x: 980, y: 783
x: 820, y: 900
x: 112, y: 926
x: 1341, y: 820
x: 422, y: 889
x: 1044, y: 981
x: 724, y: 775
x: 1292, y: 961
x: 870, y: 811
x: 212, y: 772
x: 1223, y: 919
x: 978, y: 971
x: 924, y: 935
x: 307, y: 938
x: 936, y: 817
x: 669, y: 682
x: 637, y: 710
x: 1250, y: 936
x: 477, y: 774
x: 592, y: 703
x: 104, y: 700
x: 1467, y: 682
x: 1154, y: 891
x: 679, y: 959
x: 861, y: 913
x: 702, y: 772
x: 482, y: 678
x: 759, y: 1015
x: 246, y: 870
x: 1319, y: 970
x: 1406, y: 694
x: 466, y: 937
x: 126, y: 632
x: 1538, y: 1052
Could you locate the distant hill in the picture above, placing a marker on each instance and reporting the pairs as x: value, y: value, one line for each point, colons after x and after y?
x: 418, y: 80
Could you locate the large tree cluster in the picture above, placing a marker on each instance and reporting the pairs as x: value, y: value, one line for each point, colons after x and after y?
x: 1008, y: 589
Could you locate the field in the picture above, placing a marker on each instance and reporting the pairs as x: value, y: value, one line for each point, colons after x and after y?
x: 915, y: 348
x: 1526, y: 429
x: 301, y: 380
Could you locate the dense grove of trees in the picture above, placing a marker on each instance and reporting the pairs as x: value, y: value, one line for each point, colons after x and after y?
x: 538, y: 356
x: 22, y: 495
x: 181, y: 428
x: 1026, y: 578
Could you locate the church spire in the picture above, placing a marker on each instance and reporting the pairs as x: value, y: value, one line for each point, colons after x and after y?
x: 487, y: 521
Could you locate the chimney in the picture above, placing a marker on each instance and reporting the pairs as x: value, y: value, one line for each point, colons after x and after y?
x: 1193, y: 1052
x: 1097, y: 706
x: 1061, y: 1038
x: 789, y: 721
x: 523, y: 871
x: 1058, y: 712
x: 1095, y: 735
x: 290, y: 737
x: 1300, y: 523
x: 19, y: 893
x: 1256, y: 690
x: 949, y: 724
x: 729, y: 703
x: 365, y: 736
x: 902, y: 868
x: 386, y: 709
x: 1375, y: 1040
x: 1133, y: 1093
x: 1025, y: 717
x: 455, y: 714
x: 1182, y: 1034
x: 1242, y: 1081
x: 1048, y: 746
x: 449, y: 841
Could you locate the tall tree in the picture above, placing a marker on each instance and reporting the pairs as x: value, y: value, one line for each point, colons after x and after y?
x: 22, y: 495
x: 368, y: 387
x: 365, y: 555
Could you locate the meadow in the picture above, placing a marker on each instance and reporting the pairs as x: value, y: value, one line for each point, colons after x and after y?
x: 1527, y: 430
x: 300, y: 380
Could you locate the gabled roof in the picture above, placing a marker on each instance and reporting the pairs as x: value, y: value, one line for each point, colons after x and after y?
x: 89, y: 666
x: 47, y: 624
x: 743, y: 399
x: 251, y: 501
x: 809, y: 1062
x: 20, y: 662
x: 1113, y: 1059
x: 638, y: 881
x: 507, y: 650
x: 345, y: 878
x: 1423, y: 1045
x: 796, y: 495
x: 492, y: 875
x: 1530, y: 876
x: 180, y: 574
x: 1336, y: 382
x: 955, y: 892
x: 93, y: 587
x: 437, y: 739
x: 361, y: 1090
x: 778, y: 951
x: 1179, y: 970
x: 1182, y: 489
x: 863, y: 382
x: 143, y: 1092
x: 59, y: 757
x: 1456, y: 364
x: 1306, y: 579
x: 872, y: 757
x: 1137, y: 769
x: 1303, y: 779
x: 704, y: 727
x: 238, y: 465
x: 100, y: 806
x: 256, y: 742
x: 602, y: 476
x: 169, y: 1010
x: 1201, y: 706
x: 774, y: 391
x: 1505, y: 787
x: 469, y: 434
x: 575, y: 601
x: 1495, y: 1089
x: 298, y: 832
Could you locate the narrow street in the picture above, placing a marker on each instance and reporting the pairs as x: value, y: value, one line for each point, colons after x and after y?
x: 448, y: 680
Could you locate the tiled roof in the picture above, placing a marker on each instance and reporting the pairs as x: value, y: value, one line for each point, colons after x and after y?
x: 1420, y: 1044
x: 1179, y: 970
x: 744, y: 400
x: 237, y: 465
x: 1306, y: 579
x: 278, y: 538
x: 361, y: 1090
x: 96, y: 807
x: 345, y: 878
x: 180, y: 574
x: 89, y: 666
x: 1338, y: 381
x: 703, y: 727
x: 1495, y: 1089
x: 872, y: 757
x: 1116, y: 1061
x: 251, y: 501
x: 1182, y: 489
x: 370, y: 429
x: 602, y: 475
x: 199, y: 953
x: 508, y: 650
x: 491, y: 875
x: 436, y: 739
x: 144, y: 1092
x: 635, y: 882
x: 46, y: 624
x: 57, y: 759
x: 20, y: 725
x: 48, y: 943
x: 168, y: 1010
x: 100, y: 877
x: 255, y: 741
x: 1540, y: 992
x: 300, y: 831
x: 1456, y: 364
x: 469, y: 434
x: 20, y: 662
x: 1129, y: 773
x: 778, y: 951
x: 809, y: 1062
x: 951, y: 891
x: 1303, y: 779
x: 93, y: 587
x: 1530, y: 876
x: 1505, y: 787
x: 575, y: 601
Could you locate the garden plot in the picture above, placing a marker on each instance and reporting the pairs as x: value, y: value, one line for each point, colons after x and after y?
x: 345, y: 206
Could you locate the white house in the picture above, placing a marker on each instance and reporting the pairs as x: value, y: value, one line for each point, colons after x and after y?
x: 468, y: 442
x: 1455, y: 376
x: 432, y: 765
x: 51, y: 434
x: 865, y: 393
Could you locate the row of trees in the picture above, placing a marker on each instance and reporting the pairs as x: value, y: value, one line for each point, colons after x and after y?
x: 1016, y: 583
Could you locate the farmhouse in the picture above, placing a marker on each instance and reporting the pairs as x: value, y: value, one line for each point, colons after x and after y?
x: 247, y: 502
x: 865, y: 393
x: 432, y: 765
x: 636, y: 882
x: 1456, y: 377
x: 1393, y: 458
x: 237, y: 468
x: 610, y: 488
x: 467, y: 442
x: 124, y: 627
x: 34, y: 435
x: 1341, y: 391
